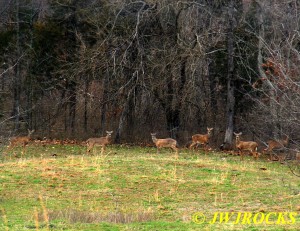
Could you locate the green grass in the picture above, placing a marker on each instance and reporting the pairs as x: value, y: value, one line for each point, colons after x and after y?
x: 133, y: 188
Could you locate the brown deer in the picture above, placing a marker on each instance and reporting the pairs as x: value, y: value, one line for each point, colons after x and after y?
x: 250, y: 146
x: 276, y: 144
x: 164, y: 143
x: 20, y: 140
x: 101, y: 141
x: 201, y: 139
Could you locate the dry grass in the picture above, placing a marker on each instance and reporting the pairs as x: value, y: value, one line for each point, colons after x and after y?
x: 76, y: 216
x: 131, y: 186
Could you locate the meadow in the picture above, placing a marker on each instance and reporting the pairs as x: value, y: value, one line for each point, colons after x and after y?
x: 59, y: 187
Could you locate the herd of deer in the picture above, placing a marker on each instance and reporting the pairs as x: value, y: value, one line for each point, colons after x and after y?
x: 202, y: 139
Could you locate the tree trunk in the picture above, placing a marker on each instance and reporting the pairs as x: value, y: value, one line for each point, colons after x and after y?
x: 72, y: 106
x: 122, y: 120
x: 17, y: 77
x: 230, y: 78
x: 104, y: 103
x: 272, y: 90
x: 85, y: 113
x: 173, y: 114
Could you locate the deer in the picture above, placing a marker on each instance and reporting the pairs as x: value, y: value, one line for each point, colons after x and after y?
x: 298, y: 157
x: 100, y: 141
x: 250, y: 146
x: 20, y: 140
x: 165, y: 143
x: 276, y: 144
x: 201, y: 139
x: 23, y: 140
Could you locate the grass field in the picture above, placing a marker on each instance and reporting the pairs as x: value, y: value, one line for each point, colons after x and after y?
x: 132, y: 188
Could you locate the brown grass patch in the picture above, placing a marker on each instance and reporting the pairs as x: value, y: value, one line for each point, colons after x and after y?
x: 77, y: 216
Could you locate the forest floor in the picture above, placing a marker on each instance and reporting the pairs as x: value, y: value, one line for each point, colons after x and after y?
x: 59, y: 187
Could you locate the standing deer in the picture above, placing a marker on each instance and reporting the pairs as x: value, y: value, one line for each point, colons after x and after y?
x: 276, y: 144
x: 250, y: 146
x: 201, y: 139
x: 20, y: 140
x: 164, y: 143
x: 101, y: 141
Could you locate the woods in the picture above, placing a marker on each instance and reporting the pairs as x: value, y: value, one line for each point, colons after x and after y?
x: 74, y: 69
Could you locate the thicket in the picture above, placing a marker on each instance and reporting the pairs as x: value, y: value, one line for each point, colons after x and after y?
x: 73, y: 69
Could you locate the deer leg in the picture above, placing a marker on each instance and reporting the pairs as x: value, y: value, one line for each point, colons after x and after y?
x: 176, y: 151
x: 192, y: 145
x: 157, y: 150
x: 10, y: 147
x: 272, y: 156
x: 205, y: 148
x: 176, y: 155
x: 241, y: 155
x: 255, y: 155
x: 92, y: 149
x: 89, y: 147
x: 102, y: 149
x: 282, y: 158
x: 23, y: 150
x: 276, y: 155
x: 8, y: 150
